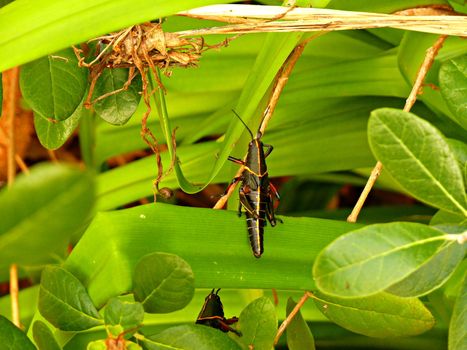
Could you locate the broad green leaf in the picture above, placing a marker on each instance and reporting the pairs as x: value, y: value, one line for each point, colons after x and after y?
x: 123, y: 313
x: 163, y: 283
x: 382, y: 315
x: 446, y: 217
x: 258, y: 324
x: 54, y: 85
x: 213, y: 242
x: 64, y: 302
x: 371, y: 259
x: 418, y: 157
x: 433, y: 274
x: 299, y: 336
x: 457, y: 327
x: 97, y: 345
x: 459, y: 149
x: 117, y: 108
x: 12, y: 338
x: 453, y: 286
x: 453, y: 82
x: 190, y: 337
x: 34, y: 28
x: 43, y: 337
x: 53, y: 134
x: 40, y: 213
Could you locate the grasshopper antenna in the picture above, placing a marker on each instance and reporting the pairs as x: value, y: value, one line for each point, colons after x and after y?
x: 246, y: 126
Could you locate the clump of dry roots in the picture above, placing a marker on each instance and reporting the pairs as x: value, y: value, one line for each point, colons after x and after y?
x: 142, y: 48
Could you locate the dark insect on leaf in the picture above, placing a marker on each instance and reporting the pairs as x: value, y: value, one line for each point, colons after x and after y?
x: 212, y: 314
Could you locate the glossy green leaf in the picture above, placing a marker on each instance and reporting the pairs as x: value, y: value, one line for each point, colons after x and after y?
x: 40, y: 213
x: 457, y: 330
x: 418, y: 157
x: 123, y: 313
x: 446, y: 217
x: 54, y: 85
x: 299, y: 336
x: 163, y: 283
x: 459, y: 149
x: 53, y: 134
x: 388, y: 253
x: 190, y: 337
x: 433, y: 274
x: 453, y: 82
x: 12, y: 338
x: 64, y: 302
x: 382, y: 315
x: 97, y: 345
x: 117, y: 108
x: 43, y: 337
x: 258, y: 324
x: 213, y: 242
x: 34, y: 28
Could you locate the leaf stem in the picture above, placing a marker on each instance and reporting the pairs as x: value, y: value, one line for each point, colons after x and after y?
x: 14, y: 294
x: 416, y: 90
x: 290, y: 316
x: 11, y: 77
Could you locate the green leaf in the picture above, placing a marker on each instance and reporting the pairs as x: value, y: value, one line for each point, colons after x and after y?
x: 459, y: 149
x: 258, y: 324
x: 40, y: 213
x: 97, y: 345
x: 64, y: 302
x: 53, y: 134
x: 213, y: 242
x: 457, y: 330
x: 54, y: 85
x: 163, y: 283
x: 12, y: 338
x: 117, y: 108
x: 123, y: 313
x: 299, y: 336
x: 37, y: 28
x: 453, y: 82
x: 190, y: 337
x: 43, y: 337
x: 371, y: 259
x: 418, y: 157
x: 382, y: 315
x: 446, y: 217
x: 433, y: 273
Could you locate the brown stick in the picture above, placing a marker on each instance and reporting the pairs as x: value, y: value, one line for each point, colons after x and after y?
x: 416, y: 89
x: 14, y: 295
x: 10, y: 116
x: 282, y: 78
x: 290, y: 317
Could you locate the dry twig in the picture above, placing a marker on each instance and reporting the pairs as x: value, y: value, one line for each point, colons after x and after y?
x: 416, y: 89
x: 314, y: 19
x: 14, y: 294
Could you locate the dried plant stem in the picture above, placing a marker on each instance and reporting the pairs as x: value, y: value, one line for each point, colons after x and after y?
x: 10, y: 116
x: 290, y: 317
x: 416, y: 89
x: 22, y: 165
x: 314, y: 19
x: 282, y: 78
x: 14, y: 293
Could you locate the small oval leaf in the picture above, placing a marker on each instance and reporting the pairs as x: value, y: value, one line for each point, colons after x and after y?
x: 43, y: 337
x: 123, y: 313
x: 64, y: 302
x: 190, y: 337
x: 299, y: 336
x: 12, y: 338
x: 41, y: 212
x: 258, y: 324
x: 373, y: 258
x: 382, y: 315
x: 54, y: 85
x: 163, y: 283
x: 52, y: 134
x: 117, y: 108
x: 452, y: 81
x: 418, y: 157
x: 457, y: 339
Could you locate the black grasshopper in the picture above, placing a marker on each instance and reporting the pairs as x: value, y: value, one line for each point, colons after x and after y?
x: 256, y: 192
x: 212, y: 314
